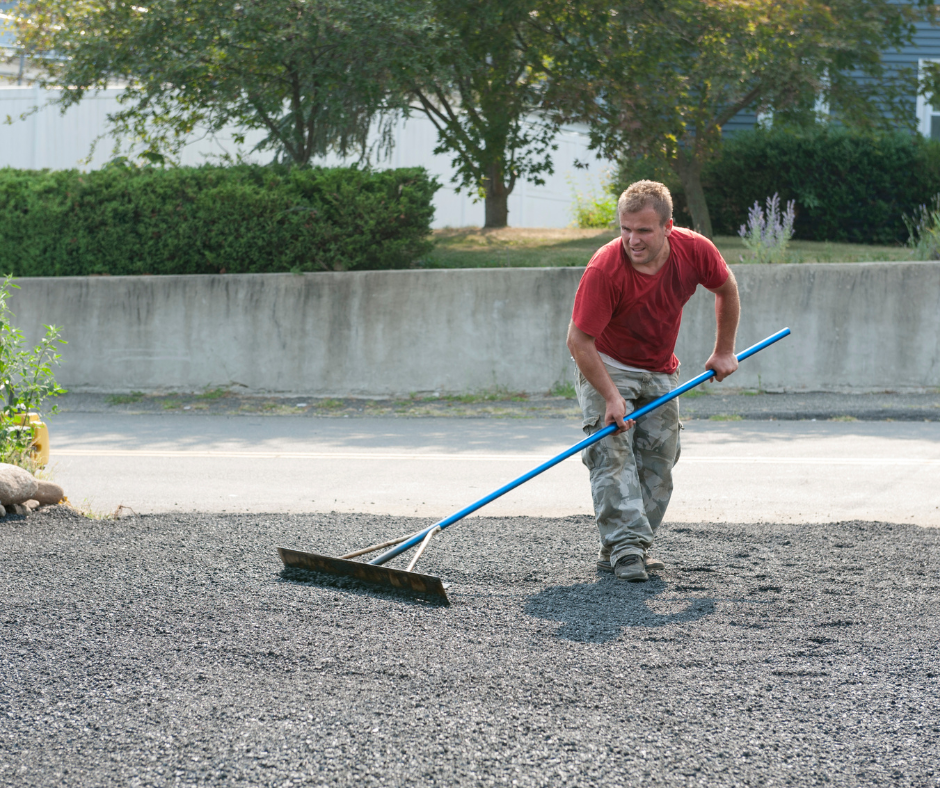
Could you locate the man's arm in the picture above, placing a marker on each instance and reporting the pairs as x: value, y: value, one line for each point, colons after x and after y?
x: 727, y: 312
x: 592, y: 367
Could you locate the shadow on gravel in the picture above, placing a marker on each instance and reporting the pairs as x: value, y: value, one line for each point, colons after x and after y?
x: 351, y: 585
x: 598, y: 612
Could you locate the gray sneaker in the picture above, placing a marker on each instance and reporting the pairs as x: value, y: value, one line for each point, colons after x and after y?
x: 630, y: 567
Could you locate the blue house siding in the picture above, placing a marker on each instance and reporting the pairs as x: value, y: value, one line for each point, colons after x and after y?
x: 740, y: 122
x: 925, y: 46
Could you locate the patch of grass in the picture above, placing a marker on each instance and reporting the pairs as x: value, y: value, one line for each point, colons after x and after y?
x: 330, y: 404
x: 564, y: 389
x: 498, y: 394
x: 732, y: 249
x: 515, y: 247
x: 725, y: 417
x: 85, y: 509
x: 527, y: 247
x: 843, y: 418
x: 171, y: 404
x: 466, y: 399
x: 211, y: 394
x: 124, y: 399
x: 696, y: 392
x: 24, y: 459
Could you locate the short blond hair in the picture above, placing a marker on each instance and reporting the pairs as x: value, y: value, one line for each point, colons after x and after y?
x: 646, y: 194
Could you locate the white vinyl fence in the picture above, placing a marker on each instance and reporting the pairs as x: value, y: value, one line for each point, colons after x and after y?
x: 49, y: 139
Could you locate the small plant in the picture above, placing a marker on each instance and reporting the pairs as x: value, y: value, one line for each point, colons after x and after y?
x: 766, y: 236
x: 26, y: 380
x: 563, y: 389
x: 591, y: 210
x: 924, y: 230
x: 125, y: 399
x: 211, y: 394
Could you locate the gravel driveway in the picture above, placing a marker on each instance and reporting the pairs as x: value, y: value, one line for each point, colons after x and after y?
x: 172, y: 650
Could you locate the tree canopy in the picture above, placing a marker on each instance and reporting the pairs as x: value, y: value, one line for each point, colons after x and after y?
x: 313, y: 75
x: 662, y: 79
x: 651, y: 78
x: 482, y: 84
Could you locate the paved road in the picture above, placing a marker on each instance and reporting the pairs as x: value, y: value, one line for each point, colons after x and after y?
x: 783, y: 472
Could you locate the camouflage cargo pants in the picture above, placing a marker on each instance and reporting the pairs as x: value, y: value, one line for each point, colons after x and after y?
x: 631, y: 473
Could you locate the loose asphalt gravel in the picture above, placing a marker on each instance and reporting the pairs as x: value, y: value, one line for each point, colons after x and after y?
x: 175, y: 650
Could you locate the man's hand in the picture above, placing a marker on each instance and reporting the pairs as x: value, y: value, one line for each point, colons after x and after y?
x: 723, y: 364
x: 615, y: 411
x: 589, y: 362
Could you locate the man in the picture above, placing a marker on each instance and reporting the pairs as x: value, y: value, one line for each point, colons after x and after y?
x: 622, y: 336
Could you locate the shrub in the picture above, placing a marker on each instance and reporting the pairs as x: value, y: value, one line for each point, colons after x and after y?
x: 848, y: 186
x: 26, y: 380
x: 766, y: 236
x: 207, y: 220
x: 592, y: 210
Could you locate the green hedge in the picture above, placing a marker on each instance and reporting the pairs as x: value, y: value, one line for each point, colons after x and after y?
x: 206, y: 220
x: 848, y: 187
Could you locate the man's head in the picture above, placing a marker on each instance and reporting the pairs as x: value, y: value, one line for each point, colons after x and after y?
x: 645, y: 211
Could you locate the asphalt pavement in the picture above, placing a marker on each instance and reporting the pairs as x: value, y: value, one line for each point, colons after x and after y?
x: 730, y: 471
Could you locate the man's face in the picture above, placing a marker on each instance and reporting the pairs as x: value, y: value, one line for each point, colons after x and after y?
x: 643, y: 236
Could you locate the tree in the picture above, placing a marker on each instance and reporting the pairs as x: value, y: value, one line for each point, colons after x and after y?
x: 313, y: 75
x: 660, y: 80
x: 480, y: 81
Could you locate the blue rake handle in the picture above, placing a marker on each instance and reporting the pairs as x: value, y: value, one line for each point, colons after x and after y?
x: 592, y: 439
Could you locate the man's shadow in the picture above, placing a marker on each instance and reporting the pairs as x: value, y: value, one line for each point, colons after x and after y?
x: 597, y: 612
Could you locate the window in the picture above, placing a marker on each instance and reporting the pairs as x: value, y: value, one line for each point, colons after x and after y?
x: 928, y: 117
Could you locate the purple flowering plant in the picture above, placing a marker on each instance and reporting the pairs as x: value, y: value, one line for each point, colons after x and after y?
x: 766, y: 235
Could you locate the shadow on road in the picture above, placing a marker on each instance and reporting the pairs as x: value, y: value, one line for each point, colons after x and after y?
x: 598, y: 612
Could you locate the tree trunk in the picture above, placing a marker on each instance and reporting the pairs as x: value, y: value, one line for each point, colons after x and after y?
x: 689, y: 171
x: 497, y: 196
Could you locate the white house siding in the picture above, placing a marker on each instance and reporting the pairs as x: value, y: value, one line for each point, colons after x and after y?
x: 48, y: 139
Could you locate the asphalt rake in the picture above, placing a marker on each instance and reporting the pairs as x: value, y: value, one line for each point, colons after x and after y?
x: 431, y: 587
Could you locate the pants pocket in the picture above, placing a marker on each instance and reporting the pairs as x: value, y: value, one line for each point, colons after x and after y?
x: 589, y: 423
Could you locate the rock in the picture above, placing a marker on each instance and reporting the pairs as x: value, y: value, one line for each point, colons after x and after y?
x: 31, y: 504
x: 48, y: 493
x: 3, y: 512
x: 17, y: 508
x: 16, y: 485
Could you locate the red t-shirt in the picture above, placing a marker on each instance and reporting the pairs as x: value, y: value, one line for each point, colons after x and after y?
x: 634, y: 318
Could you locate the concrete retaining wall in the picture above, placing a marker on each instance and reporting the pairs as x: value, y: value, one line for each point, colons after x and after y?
x: 855, y: 326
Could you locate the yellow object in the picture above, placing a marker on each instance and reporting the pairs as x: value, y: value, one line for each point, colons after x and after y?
x: 39, y: 448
